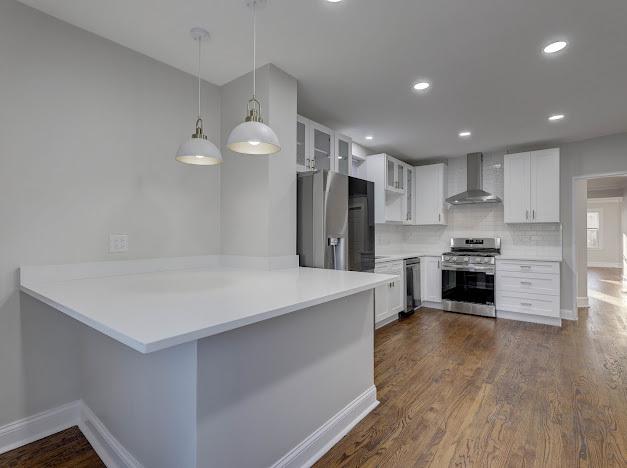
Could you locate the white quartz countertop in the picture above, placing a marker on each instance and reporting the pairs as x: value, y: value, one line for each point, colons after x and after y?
x: 389, y: 257
x: 154, y: 310
x: 530, y: 257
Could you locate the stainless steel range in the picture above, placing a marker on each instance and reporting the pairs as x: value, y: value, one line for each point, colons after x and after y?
x: 468, y: 276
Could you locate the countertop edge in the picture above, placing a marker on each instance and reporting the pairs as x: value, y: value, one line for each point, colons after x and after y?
x: 157, y: 345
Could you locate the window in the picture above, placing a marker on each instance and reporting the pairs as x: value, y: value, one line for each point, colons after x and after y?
x: 594, y: 226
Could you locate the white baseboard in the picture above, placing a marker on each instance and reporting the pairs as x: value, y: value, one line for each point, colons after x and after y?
x: 557, y: 322
x: 38, y: 426
x: 605, y: 264
x: 385, y: 321
x: 109, y: 449
x: 431, y: 305
x: 569, y: 314
x: 27, y: 430
x: 326, y: 436
x: 583, y: 302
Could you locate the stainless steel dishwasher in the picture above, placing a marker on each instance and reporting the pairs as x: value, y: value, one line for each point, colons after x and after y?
x: 412, y: 285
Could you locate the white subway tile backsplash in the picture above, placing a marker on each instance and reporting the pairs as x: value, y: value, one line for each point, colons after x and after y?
x: 475, y: 220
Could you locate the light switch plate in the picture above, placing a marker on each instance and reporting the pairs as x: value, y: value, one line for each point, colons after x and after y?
x: 118, y: 243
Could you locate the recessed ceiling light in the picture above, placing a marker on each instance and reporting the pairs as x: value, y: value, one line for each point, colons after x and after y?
x: 421, y: 85
x: 334, y: 1
x: 369, y: 137
x: 556, y: 117
x: 465, y: 134
x: 555, y: 47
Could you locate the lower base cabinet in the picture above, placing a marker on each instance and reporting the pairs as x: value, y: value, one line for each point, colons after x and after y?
x: 430, y: 279
x: 528, y: 290
x: 389, y: 299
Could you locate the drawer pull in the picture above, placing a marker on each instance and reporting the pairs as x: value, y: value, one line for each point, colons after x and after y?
x: 526, y: 304
x: 526, y: 283
x: 526, y: 267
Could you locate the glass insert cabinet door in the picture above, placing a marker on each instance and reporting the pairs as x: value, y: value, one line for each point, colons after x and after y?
x: 409, y: 204
x: 391, y: 173
x: 322, y: 147
x: 343, y: 150
x: 401, y: 176
x: 301, y: 143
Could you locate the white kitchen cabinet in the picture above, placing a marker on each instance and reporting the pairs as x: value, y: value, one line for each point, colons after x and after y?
x: 545, y: 186
x: 343, y: 161
x: 319, y: 147
x: 389, y: 199
x: 390, y: 298
x: 430, y: 194
x: 517, y: 188
x: 528, y: 291
x: 431, y: 279
x: 410, y: 209
x: 532, y: 187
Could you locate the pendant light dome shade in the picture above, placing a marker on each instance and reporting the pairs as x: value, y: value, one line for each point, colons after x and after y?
x: 253, y: 136
x: 199, y: 150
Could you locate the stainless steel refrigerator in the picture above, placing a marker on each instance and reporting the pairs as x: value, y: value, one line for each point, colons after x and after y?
x: 335, y: 221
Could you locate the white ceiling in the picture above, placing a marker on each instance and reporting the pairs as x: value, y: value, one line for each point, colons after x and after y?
x: 607, y: 183
x: 356, y: 61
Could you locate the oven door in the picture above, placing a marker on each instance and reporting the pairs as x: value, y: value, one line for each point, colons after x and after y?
x: 471, y: 285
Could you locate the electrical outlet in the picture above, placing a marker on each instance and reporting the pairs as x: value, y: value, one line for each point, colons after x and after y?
x: 118, y: 243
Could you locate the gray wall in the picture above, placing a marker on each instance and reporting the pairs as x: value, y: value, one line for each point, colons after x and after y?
x: 88, y: 132
x: 259, y: 192
x: 610, y: 248
x: 596, y: 156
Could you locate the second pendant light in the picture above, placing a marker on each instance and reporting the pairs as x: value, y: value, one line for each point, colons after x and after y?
x: 253, y: 136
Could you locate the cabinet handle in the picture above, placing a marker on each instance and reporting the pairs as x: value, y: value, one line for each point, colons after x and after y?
x: 527, y: 214
x: 533, y: 214
x: 526, y: 304
x: 527, y: 283
x: 527, y: 267
x: 439, y: 216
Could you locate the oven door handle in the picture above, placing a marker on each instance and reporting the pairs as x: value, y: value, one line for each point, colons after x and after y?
x: 486, y: 270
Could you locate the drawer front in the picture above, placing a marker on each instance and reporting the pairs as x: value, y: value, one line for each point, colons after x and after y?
x: 528, y: 267
x: 533, y: 304
x: 535, y: 283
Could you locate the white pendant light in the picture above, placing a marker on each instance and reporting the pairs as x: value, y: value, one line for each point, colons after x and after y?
x: 198, y: 150
x: 253, y: 136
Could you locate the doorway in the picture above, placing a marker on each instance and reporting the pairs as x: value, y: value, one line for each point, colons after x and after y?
x: 600, y: 247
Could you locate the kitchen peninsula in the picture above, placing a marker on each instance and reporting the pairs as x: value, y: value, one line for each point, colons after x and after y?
x: 183, y: 361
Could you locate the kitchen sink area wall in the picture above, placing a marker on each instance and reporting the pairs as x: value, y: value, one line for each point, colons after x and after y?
x: 477, y: 220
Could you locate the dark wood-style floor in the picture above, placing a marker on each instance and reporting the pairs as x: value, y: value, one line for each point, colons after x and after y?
x: 464, y: 391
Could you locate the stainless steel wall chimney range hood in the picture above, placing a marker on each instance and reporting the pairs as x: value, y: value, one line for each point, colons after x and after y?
x: 474, y: 190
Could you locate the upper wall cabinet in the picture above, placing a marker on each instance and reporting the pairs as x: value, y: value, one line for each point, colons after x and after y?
x: 532, y: 187
x: 390, y: 180
x: 430, y: 194
x: 319, y: 147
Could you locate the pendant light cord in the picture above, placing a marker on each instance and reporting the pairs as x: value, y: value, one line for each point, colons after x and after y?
x: 199, y: 45
x: 254, y: 49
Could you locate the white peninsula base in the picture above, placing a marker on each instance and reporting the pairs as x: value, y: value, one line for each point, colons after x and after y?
x: 274, y: 392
